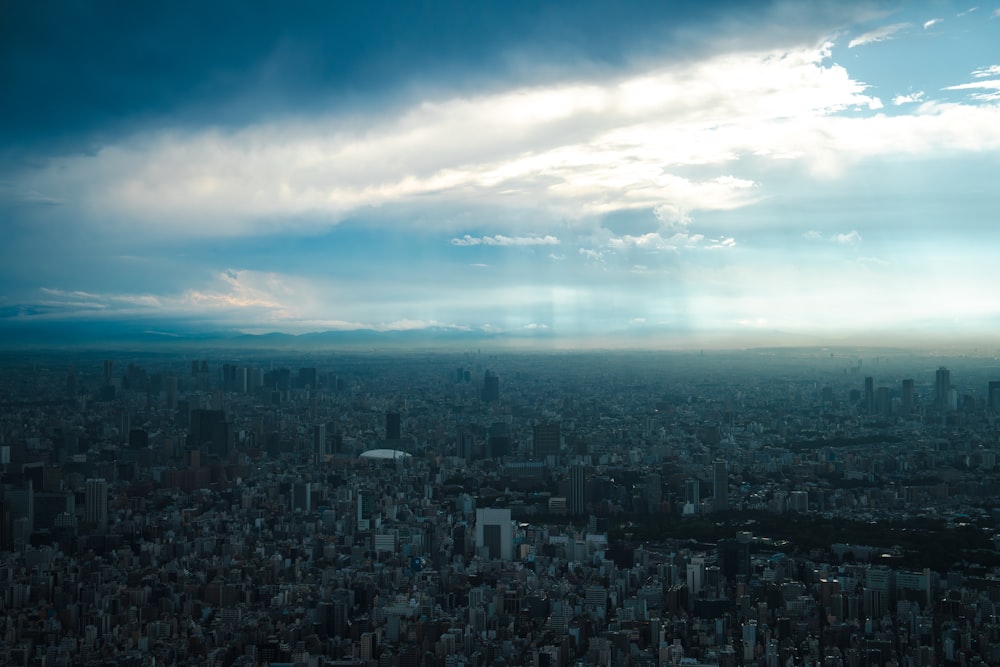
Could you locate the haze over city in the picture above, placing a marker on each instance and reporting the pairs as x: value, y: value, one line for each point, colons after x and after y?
x: 662, y: 174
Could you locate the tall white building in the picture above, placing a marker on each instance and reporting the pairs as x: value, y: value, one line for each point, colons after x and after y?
x: 495, y: 532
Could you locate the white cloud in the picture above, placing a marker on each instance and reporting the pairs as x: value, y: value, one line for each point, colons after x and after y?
x: 590, y: 253
x: 877, y: 35
x: 501, y: 240
x: 910, y: 98
x: 990, y: 86
x: 813, y: 235
x: 576, y: 150
x: 716, y: 244
x: 656, y: 241
x: 995, y: 14
x: 850, y: 238
x: 983, y: 72
x: 932, y: 22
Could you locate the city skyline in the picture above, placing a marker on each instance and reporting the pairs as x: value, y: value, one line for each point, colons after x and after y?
x: 654, y: 175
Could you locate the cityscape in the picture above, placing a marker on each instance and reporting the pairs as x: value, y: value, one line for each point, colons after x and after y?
x: 810, y: 506
x: 472, y: 334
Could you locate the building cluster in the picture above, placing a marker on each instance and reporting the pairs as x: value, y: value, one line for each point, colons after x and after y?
x: 466, y: 510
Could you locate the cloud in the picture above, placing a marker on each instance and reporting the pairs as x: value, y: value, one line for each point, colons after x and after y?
x: 932, y: 22
x: 813, y: 235
x: 910, y: 98
x: 990, y: 86
x: 983, y: 72
x: 577, y: 149
x: 995, y: 14
x: 721, y: 243
x: 850, y: 238
x: 877, y: 35
x: 656, y: 241
x: 501, y: 240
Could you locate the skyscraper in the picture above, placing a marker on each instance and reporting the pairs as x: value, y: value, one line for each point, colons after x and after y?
x: 491, y: 387
x: 720, y: 488
x: 495, y: 533
x: 870, y: 395
x: 908, y: 396
x: 993, y: 395
x: 942, y: 383
x: 96, y: 500
x: 320, y: 443
x: 547, y: 439
x: 577, y: 504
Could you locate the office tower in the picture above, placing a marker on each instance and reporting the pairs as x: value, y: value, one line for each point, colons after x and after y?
x: 495, y: 532
x: 653, y: 490
x: 171, y: 392
x: 993, y: 395
x: 96, y: 503
x: 908, y: 396
x: 942, y: 383
x: 577, y: 504
x: 19, y: 501
x: 302, y: 497
x: 734, y: 559
x: 210, y: 431
x: 692, y: 493
x: 491, y: 387
x: 70, y: 382
x: 720, y: 486
x: 464, y: 445
x: 242, y: 380
x: 109, y: 370
x: 320, y: 448
x: 547, y: 440
x: 498, y: 444
x: 392, y: 426
x: 869, y: 395
x: 366, y: 509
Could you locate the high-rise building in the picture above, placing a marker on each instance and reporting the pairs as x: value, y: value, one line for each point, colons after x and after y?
x: 577, y: 501
x: 171, y: 385
x: 653, y: 490
x: 942, y: 383
x: 720, y: 486
x: 547, y: 439
x: 870, y: 395
x: 993, y: 395
x: 320, y: 444
x: 495, y: 532
x: 908, y: 397
x: 96, y: 503
x: 692, y: 493
x: 465, y: 445
x: 302, y: 496
x: 491, y: 387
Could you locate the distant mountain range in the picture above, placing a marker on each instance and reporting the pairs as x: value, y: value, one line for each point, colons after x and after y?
x: 55, y: 334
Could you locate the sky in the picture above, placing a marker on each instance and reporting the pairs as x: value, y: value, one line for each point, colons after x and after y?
x: 584, y: 171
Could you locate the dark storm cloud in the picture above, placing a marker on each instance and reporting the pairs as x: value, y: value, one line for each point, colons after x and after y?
x: 75, y: 74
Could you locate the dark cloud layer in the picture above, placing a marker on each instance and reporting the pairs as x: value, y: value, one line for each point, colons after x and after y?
x: 72, y: 75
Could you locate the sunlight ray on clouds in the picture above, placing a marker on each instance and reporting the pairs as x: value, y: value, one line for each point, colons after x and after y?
x: 578, y: 149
